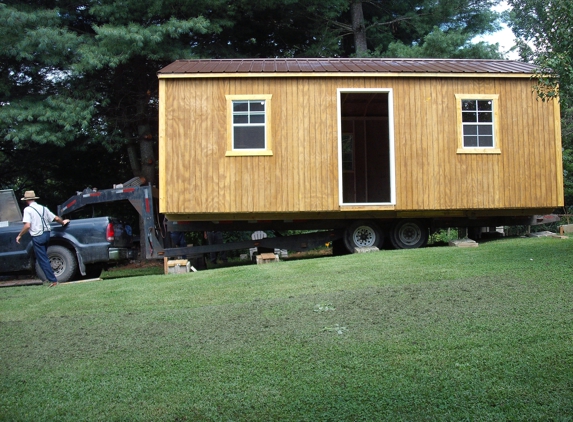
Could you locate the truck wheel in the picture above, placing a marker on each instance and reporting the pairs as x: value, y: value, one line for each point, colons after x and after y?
x: 63, y: 264
x: 409, y: 234
x: 362, y: 234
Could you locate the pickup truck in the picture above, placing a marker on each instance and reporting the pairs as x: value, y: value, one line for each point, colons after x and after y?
x: 81, y: 249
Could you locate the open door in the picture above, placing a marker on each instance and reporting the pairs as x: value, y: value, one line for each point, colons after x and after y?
x: 365, y: 148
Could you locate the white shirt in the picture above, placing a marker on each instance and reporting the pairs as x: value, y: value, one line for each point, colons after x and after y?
x: 39, y: 218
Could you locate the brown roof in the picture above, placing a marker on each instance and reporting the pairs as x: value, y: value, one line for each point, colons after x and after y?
x: 336, y: 65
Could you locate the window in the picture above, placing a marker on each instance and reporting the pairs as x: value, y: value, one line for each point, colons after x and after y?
x: 477, y: 116
x: 249, y: 122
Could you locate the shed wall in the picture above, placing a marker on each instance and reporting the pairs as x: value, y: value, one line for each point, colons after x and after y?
x: 302, y: 173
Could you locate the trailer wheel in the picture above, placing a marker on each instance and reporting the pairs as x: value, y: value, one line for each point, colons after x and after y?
x: 63, y: 264
x: 362, y: 234
x: 409, y: 234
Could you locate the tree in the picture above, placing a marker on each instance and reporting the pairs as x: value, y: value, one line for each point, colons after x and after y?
x: 347, y: 28
x: 544, y: 31
x: 85, y: 72
x: 403, y: 28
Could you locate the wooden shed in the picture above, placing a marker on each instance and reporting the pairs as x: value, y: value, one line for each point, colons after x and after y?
x: 284, y: 139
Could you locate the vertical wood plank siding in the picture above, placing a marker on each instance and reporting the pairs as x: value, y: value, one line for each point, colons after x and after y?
x: 302, y: 173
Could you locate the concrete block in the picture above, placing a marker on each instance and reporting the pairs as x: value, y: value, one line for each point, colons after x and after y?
x: 464, y: 243
x: 366, y: 249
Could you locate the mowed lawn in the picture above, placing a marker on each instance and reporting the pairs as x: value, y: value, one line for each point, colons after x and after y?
x: 433, y: 334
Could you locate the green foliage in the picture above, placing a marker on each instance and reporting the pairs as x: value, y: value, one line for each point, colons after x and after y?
x: 393, y: 28
x: 443, y: 236
x: 87, y: 73
x: 453, y: 44
x: 430, y: 334
x: 545, y: 34
x: 567, y: 138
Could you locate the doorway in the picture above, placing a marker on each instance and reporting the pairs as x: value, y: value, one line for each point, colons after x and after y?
x: 365, y: 147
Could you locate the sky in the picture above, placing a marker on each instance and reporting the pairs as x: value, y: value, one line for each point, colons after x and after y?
x: 504, y: 37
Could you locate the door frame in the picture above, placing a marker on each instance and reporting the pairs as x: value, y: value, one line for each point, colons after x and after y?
x: 392, y: 156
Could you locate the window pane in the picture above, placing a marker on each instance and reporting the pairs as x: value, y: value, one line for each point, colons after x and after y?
x: 485, y: 117
x: 486, y: 141
x: 485, y: 105
x: 257, y: 118
x: 240, y: 118
x: 486, y: 130
x: 249, y: 137
x: 468, y: 105
x: 470, y: 130
x: 240, y: 106
x: 257, y: 106
x: 470, y: 141
x: 469, y: 117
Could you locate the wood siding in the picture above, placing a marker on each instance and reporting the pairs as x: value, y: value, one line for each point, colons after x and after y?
x: 302, y: 174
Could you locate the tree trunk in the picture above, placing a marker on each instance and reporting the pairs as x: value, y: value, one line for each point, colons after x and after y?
x: 147, y: 159
x: 358, y: 29
x: 133, y: 154
x: 146, y: 148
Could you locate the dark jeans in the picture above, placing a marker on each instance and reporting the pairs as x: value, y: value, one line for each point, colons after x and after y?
x: 41, y: 250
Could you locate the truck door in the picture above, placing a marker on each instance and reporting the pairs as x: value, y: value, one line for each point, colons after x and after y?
x: 13, y: 256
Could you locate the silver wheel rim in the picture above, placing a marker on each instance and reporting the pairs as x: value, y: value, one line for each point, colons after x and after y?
x: 58, y: 265
x: 364, y: 237
x: 410, y: 234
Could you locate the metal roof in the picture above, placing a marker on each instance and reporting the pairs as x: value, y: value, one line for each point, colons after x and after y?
x: 335, y: 66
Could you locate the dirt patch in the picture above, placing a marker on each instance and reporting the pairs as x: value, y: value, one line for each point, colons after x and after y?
x: 138, y: 264
x: 20, y: 280
x: 310, y: 254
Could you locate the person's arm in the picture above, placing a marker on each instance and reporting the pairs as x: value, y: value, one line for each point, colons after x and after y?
x: 62, y: 222
x: 23, y: 232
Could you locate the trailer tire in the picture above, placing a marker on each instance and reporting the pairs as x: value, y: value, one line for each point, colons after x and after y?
x: 409, y: 234
x: 63, y: 264
x: 363, y: 234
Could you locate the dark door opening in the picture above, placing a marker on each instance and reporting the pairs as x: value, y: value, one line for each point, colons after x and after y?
x: 365, y: 147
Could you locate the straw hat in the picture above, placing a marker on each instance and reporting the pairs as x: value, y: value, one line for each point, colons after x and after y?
x: 29, y: 195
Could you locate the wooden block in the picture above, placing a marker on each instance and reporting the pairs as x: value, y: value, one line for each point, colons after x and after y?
x: 266, y: 258
x: 178, y: 266
x: 566, y: 228
x: 175, y: 262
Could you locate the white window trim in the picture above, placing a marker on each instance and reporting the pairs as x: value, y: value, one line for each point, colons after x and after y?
x: 231, y: 152
x: 496, y: 149
x: 390, y: 93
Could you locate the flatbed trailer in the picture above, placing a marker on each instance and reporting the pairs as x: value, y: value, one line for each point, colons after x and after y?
x: 144, y: 198
x: 345, y: 234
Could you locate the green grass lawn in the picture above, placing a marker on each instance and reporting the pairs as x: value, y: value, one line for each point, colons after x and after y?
x: 433, y: 334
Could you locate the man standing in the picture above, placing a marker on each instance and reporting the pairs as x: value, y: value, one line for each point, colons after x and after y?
x: 37, y: 219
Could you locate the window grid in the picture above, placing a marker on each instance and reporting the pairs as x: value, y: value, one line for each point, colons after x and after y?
x: 477, y: 122
x: 249, y: 124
